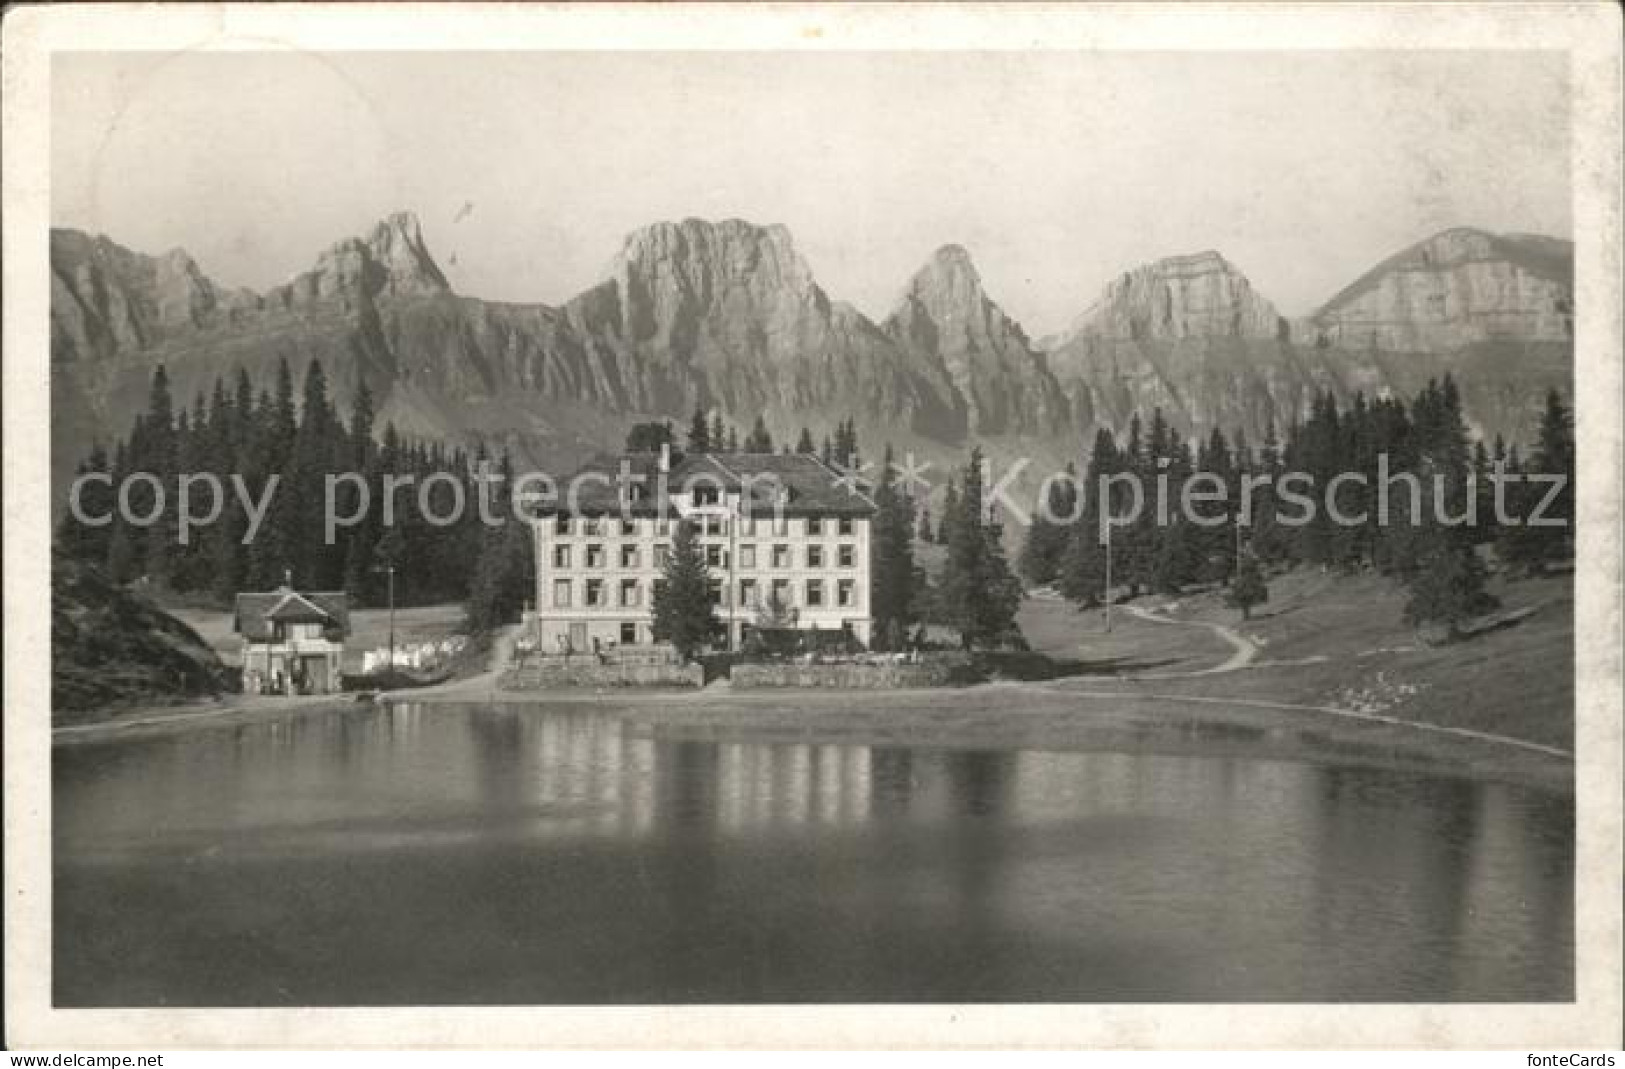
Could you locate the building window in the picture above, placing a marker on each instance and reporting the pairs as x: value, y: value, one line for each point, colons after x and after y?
x: 629, y: 592
x: 629, y: 527
x: 662, y: 551
x: 595, y: 592
x: 714, y: 526
x: 782, y: 594
x: 561, y: 556
x: 561, y: 525
x: 781, y: 556
x: 747, y: 556
x: 629, y: 556
x: 815, y: 556
x: 847, y: 555
x: 561, y: 593
x: 844, y: 592
x: 815, y: 593
x: 716, y: 592
x: 707, y: 495
x: 629, y: 634
x: 845, y: 525
x: 595, y: 556
x: 591, y: 526
x: 713, y: 556
x: 815, y: 525
x: 747, y: 592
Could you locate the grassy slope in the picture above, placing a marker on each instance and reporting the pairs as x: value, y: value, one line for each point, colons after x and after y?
x: 1360, y: 654
x: 111, y: 648
x: 369, y: 629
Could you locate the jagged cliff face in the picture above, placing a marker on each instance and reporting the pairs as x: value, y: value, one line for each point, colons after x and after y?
x: 723, y: 315
x: 728, y: 316
x: 1199, y: 296
x: 107, y: 301
x: 390, y: 262
x: 1456, y: 289
x: 1190, y: 335
x: 946, y: 323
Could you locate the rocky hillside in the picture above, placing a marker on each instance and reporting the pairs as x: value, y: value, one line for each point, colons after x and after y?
x: 1456, y: 289
x: 729, y: 316
x: 947, y: 325
x: 109, y: 645
x: 1191, y: 334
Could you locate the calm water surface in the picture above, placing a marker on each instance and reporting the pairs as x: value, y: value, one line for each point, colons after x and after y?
x: 490, y: 855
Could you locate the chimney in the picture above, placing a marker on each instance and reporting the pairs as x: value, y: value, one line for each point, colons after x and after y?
x: 665, y: 458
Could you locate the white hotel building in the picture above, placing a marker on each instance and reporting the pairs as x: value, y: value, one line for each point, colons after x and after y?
x: 784, y: 526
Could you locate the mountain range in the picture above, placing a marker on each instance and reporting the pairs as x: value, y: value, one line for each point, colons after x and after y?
x: 729, y: 317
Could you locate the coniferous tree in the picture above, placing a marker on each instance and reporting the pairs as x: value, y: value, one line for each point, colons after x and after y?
x: 1447, y: 586
x: 699, y: 433
x: 1048, y: 534
x: 891, y: 598
x: 759, y: 440
x: 505, y: 572
x: 979, y: 593
x: 1213, y: 545
x: 1082, y: 577
x: 1247, y: 586
x: 88, y: 542
x: 950, y: 511
x: 1555, y: 456
x: 845, y: 446
x: 804, y: 444
x: 683, y: 612
x: 927, y: 533
x: 156, y: 453
x: 649, y: 437
x: 1270, y: 540
x: 719, y: 436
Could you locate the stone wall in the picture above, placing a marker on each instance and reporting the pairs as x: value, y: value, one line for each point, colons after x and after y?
x: 931, y: 673
x: 587, y: 671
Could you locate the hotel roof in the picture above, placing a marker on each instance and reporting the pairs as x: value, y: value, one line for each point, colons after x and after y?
x: 809, y: 487
x: 256, y: 612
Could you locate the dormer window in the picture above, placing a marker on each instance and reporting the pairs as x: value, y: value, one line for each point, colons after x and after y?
x: 707, y: 495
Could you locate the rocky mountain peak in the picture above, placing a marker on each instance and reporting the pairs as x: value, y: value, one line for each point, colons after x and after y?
x: 1459, y: 287
x: 390, y: 261
x: 1197, y: 295
x: 396, y: 243
x: 946, y: 319
x: 948, y: 278
x: 702, y: 259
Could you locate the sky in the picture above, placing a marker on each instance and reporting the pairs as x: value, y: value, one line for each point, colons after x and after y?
x: 1057, y: 170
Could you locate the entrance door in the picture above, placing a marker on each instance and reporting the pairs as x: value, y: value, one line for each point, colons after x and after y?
x: 578, y: 636
x: 316, y: 681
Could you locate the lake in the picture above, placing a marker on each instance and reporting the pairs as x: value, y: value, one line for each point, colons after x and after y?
x: 556, y: 854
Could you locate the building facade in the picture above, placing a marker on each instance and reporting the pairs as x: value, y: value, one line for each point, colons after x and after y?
x: 785, y: 538
x: 293, y: 643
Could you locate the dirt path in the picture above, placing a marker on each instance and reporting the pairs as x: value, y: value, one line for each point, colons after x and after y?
x: 1246, y: 653
x: 1246, y: 650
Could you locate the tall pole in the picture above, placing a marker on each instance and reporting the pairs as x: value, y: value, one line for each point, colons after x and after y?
x: 392, y: 616
x: 1108, y: 591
